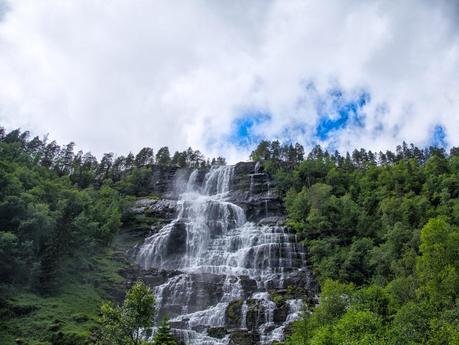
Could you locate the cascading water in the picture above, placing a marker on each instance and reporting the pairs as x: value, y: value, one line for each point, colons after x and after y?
x: 216, y: 257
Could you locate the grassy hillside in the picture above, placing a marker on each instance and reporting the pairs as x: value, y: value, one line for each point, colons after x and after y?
x: 70, y: 314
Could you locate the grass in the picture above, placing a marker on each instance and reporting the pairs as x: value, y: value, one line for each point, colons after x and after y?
x: 73, y: 312
x: 69, y: 316
x: 154, y: 196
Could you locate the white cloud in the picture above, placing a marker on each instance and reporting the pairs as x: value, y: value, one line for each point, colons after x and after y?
x: 119, y: 75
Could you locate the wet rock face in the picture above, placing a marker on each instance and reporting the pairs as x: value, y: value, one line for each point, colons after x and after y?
x: 170, y: 181
x: 255, y: 314
x: 163, y: 179
x: 217, y: 332
x: 175, y: 245
x: 255, y: 192
x: 248, y: 286
x: 281, y: 312
x: 152, y: 210
x: 251, y: 188
x: 162, y: 208
x: 243, y: 337
x: 222, y: 256
x: 193, y: 291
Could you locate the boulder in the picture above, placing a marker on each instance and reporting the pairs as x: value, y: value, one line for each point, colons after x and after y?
x: 217, y: 332
x: 176, y: 242
x: 255, y: 314
x: 281, y: 312
x: 233, y: 315
x: 242, y: 337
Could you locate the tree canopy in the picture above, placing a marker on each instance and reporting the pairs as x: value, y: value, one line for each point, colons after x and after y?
x: 123, y: 325
x: 382, y: 237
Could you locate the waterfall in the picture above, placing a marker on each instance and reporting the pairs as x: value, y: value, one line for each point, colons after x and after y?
x: 215, y: 254
x: 244, y: 311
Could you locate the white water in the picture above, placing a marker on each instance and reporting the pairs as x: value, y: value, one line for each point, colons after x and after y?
x: 213, y: 243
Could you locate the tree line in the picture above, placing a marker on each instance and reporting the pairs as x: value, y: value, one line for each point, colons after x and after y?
x: 273, y: 151
x: 85, y: 169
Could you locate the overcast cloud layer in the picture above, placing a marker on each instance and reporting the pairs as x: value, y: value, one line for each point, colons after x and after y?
x: 119, y: 75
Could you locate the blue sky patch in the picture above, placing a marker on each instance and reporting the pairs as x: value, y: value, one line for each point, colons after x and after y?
x: 243, y: 128
x: 439, y: 137
x: 336, y: 111
x: 343, y: 111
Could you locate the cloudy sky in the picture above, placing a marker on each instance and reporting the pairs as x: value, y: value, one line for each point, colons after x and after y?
x: 116, y: 75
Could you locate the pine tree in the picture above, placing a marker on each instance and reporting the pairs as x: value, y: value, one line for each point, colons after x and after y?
x: 164, y: 335
x: 64, y: 159
x: 50, y: 154
x: 163, y: 156
x: 144, y: 157
x: 129, y: 161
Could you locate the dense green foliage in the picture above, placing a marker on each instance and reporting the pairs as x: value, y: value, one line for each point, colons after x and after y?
x: 383, y: 240
x: 120, y: 325
x: 163, y: 335
x: 46, y: 224
x: 123, y: 325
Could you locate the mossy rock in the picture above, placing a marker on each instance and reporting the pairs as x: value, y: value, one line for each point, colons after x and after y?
x: 255, y: 314
x: 244, y: 338
x: 217, y: 332
x: 233, y: 314
x: 281, y: 312
x: 278, y: 298
x: 293, y: 292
